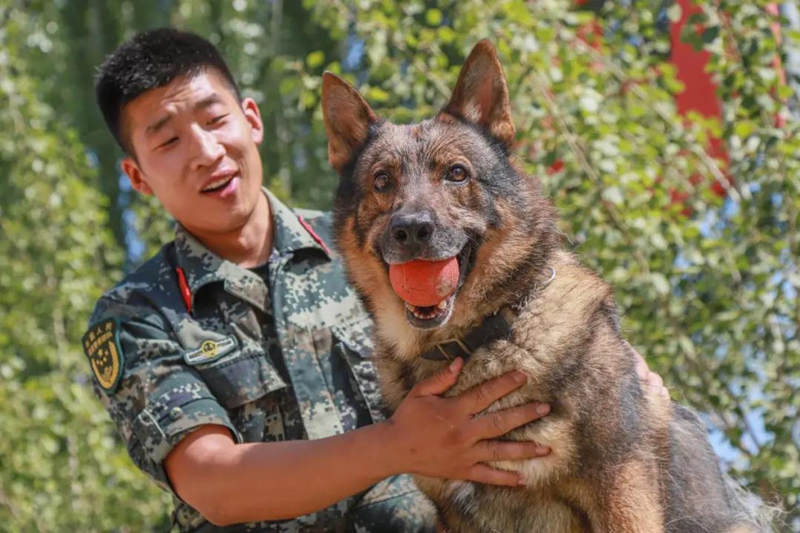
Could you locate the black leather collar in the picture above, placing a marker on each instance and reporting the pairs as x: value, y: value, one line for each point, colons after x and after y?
x: 492, y: 328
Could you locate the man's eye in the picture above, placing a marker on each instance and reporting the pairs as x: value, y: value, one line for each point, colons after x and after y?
x: 217, y: 119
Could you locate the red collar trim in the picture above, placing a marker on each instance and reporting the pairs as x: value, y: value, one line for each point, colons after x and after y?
x: 184, y: 286
x: 314, y: 236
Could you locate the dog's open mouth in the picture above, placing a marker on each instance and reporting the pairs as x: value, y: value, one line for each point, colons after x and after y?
x: 433, y: 316
x: 430, y: 316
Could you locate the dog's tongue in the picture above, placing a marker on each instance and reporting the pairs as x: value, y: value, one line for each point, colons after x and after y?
x: 424, y: 283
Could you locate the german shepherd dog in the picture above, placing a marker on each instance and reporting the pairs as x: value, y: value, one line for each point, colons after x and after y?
x: 621, y: 460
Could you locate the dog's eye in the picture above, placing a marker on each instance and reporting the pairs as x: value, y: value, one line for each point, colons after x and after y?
x: 457, y: 173
x: 381, y: 182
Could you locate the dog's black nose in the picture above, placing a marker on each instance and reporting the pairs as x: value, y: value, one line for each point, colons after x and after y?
x: 415, y: 228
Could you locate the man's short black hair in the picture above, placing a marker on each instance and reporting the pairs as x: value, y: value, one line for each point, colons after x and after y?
x: 149, y: 60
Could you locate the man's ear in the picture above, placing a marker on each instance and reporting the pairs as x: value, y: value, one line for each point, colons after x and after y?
x: 347, y: 119
x: 253, y: 116
x: 481, y: 94
x: 131, y: 168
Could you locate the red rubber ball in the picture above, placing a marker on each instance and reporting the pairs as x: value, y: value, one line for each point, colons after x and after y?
x: 424, y: 283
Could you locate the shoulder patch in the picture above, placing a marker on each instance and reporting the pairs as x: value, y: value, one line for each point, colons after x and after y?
x: 101, y: 344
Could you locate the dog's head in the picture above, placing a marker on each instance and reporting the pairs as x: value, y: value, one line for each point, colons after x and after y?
x: 439, y: 189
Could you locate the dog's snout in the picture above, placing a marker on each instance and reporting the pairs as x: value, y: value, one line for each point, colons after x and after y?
x: 414, y: 228
x: 418, y: 233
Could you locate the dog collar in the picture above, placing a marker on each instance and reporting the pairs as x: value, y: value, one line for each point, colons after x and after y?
x: 493, y: 327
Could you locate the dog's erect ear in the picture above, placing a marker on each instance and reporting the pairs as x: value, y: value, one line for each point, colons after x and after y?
x: 347, y: 119
x: 481, y: 93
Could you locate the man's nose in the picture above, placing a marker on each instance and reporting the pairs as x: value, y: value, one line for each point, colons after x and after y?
x: 207, y: 148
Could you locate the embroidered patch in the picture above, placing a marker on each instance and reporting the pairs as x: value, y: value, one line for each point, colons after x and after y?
x: 210, y: 350
x: 101, y: 344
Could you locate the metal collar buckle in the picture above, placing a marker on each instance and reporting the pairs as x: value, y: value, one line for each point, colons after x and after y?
x: 455, y: 340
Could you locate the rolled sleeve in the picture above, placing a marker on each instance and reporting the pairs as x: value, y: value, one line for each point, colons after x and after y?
x: 160, y: 399
x: 181, y: 404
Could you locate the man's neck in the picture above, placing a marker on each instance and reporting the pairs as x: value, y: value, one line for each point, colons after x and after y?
x: 249, y: 245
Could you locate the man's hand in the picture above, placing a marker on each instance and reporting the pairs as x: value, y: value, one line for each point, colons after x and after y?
x: 651, y: 381
x: 442, y: 437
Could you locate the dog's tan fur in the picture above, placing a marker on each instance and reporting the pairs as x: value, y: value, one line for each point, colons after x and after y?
x: 619, y: 458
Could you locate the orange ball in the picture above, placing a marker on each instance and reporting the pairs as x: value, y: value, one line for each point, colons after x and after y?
x: 424, y: 283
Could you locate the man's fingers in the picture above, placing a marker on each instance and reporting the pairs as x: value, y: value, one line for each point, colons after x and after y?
x: 654, y: 381
x: 482, y: 396
x: 656, y: 385
x: 507, y: 450
x: 493, y: 476
x: 441, y: 381
x: 649, y: 379
x: 641, y: 365
x: 501, y: 422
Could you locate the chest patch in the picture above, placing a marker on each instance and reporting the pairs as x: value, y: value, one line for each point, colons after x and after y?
x: 101, y: 344
x: 210, y: 350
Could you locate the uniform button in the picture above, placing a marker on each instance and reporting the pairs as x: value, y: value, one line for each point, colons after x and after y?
x: 175, y: 413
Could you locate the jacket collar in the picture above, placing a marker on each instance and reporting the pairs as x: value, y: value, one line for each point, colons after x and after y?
x: 292, y: 233
x: 201, y: 266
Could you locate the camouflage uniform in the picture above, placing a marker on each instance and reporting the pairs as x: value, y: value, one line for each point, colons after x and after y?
x: 279, y: 352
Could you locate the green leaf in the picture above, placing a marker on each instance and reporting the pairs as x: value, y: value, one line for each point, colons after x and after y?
x: 710, y: 34
x: 315, y: 58
x: 697, y: 18
x: 613, y: 195
x: 674, y: 12
x: 376, y: 94
x: 433, y: 17
x: 744, y: 128
x: 660, y: 283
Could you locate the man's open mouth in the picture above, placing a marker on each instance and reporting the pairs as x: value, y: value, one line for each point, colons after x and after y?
x: 433, y: 316
x: 222, y: 186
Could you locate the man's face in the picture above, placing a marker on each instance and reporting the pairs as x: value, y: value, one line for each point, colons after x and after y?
x: 196, y: 151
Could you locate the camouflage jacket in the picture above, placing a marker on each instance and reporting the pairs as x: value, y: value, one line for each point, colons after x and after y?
x: 280, y: 352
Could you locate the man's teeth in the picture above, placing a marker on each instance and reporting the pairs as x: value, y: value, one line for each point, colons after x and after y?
x: 217, y: 183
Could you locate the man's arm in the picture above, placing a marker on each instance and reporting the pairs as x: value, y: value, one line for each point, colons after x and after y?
x: 233, y: 483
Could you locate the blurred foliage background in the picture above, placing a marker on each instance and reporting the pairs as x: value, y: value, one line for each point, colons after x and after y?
x: 703, y: 251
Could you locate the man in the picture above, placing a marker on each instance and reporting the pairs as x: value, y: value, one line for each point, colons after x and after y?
x: 235, y: 362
